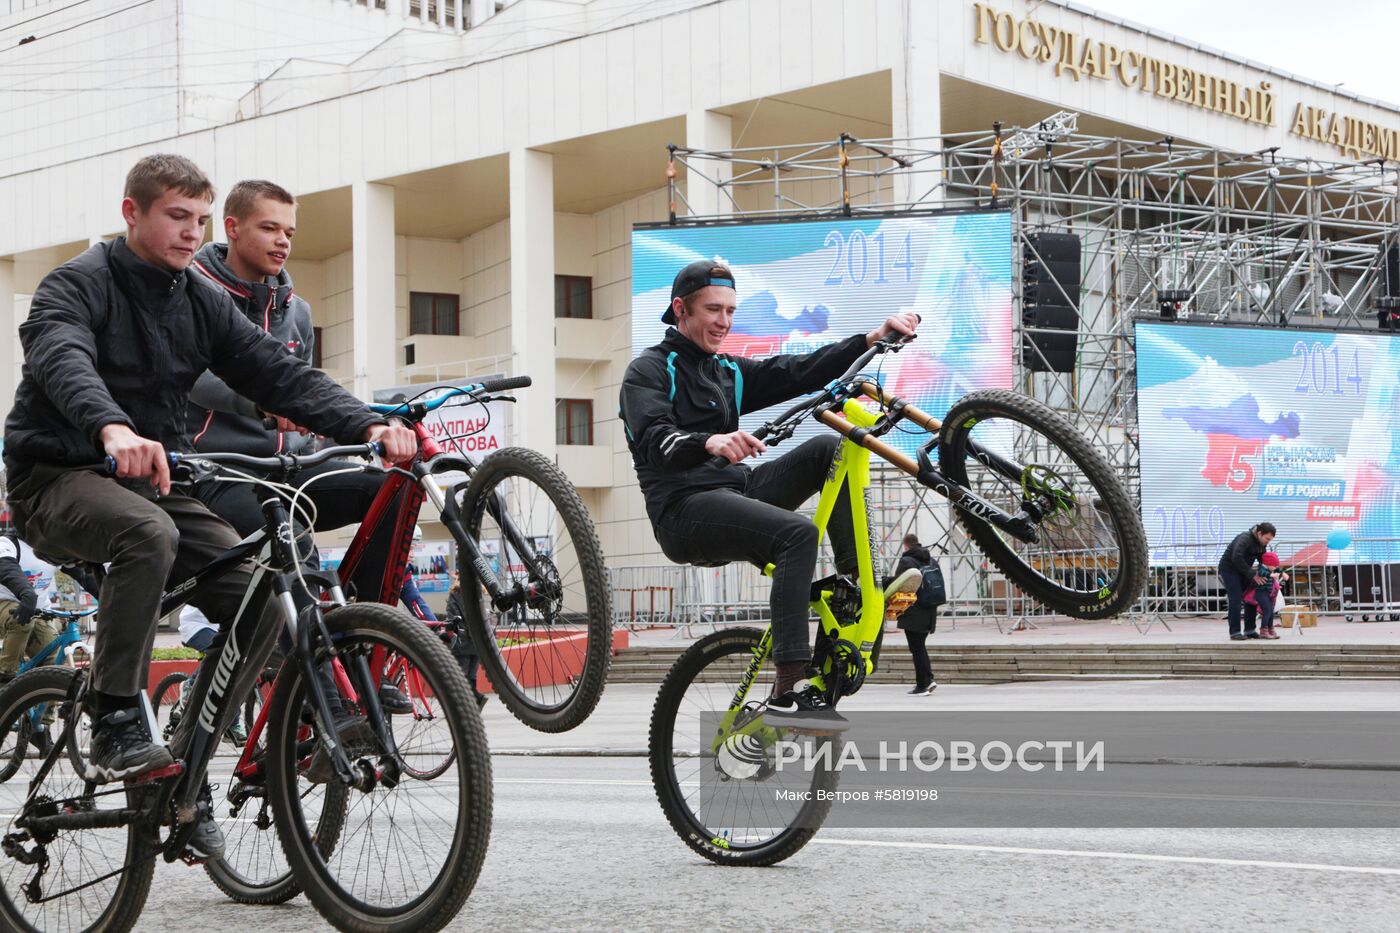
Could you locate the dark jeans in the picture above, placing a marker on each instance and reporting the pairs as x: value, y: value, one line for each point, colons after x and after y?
x: 1234, y: 589
x: 923, y: 670
x: 339, y: 500
x: 1263, y: 604
x: 77, y: 516
x: 759, y: 525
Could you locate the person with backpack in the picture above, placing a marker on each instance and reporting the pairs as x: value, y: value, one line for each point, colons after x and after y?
x: 921, y: 618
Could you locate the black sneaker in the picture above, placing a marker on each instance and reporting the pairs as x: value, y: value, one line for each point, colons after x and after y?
x: 804, y: 707
x: 355, y: 735
x: 42, y: 742
x: 121, y: 748
x: 207, y: 842
x: 1238, y: 636
x: 1251, y: 634
x: 393, y: 701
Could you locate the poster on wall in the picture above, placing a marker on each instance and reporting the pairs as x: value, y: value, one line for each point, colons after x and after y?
x: 1297, y: 427
x: 459, y: 426
x: 804, y: 284
x: 428, y: 561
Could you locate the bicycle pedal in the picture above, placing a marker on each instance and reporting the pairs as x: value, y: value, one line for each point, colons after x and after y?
x: 174, y: 769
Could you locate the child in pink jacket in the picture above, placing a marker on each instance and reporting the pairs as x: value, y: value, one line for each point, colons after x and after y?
x: 1264, y: 598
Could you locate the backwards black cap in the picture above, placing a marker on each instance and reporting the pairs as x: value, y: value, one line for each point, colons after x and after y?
x: 694, y: 277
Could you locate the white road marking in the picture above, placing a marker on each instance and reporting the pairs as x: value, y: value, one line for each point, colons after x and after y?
x: 1130, y: 856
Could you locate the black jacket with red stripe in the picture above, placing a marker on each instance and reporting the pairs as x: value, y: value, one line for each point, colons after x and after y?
x: 221, y: 420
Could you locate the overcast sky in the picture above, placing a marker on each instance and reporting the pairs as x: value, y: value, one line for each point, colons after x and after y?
x: 1330, y: 41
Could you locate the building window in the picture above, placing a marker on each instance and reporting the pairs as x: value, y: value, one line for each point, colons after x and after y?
x: 431, y: 313
x: 573, y: 421
x: 573, y: 296
x: 316, y: 347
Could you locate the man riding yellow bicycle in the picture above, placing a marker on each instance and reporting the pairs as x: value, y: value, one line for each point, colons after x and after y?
x: 680, y: 403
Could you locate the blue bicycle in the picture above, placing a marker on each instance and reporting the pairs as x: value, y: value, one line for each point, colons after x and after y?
x: 32, y: 730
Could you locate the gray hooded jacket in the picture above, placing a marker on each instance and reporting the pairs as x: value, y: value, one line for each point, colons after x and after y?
x: 220, y: 419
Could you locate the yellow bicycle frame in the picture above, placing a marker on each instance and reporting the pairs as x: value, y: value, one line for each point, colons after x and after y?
x: 850, y: 468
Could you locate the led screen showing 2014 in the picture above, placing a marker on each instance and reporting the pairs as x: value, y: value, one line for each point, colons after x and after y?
x: 802, y: 285
x: 1241, y: 425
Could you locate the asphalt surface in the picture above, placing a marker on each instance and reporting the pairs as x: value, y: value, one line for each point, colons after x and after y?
x: 579, y: 843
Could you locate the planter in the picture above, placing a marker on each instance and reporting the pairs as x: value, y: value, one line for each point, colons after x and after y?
x: 547, y: 660
x: 159, y: 670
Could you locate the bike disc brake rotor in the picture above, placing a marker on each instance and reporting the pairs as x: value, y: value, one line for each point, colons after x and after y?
x: 1048, y: 490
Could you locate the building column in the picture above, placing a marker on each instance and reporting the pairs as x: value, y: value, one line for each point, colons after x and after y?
x: 532, y: 295
x: 9, y: 335
x: 917, y: 104
x: 710, y: 131
x: 482, y: 10
x: 372, y: 258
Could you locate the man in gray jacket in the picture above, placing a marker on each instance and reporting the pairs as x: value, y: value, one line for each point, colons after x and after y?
x: 260, y: 221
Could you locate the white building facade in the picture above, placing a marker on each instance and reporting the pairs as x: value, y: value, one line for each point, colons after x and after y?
x: 491, y: 158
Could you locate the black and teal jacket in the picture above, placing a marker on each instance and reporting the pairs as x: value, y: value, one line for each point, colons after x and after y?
x: 675, y: 395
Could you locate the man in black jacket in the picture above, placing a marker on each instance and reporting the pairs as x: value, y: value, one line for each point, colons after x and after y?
x: 680, y: 404
x: 1238, y: 572
x: 114, y: 341
x: 918, y: 621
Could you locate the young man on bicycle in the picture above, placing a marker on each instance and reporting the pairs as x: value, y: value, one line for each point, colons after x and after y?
x: 260, y: 220
x: 680, y: 403
x: 114, y: 341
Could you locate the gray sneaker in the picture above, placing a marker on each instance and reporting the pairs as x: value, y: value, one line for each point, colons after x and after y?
x: 208, y: 839
x: 121, y: 748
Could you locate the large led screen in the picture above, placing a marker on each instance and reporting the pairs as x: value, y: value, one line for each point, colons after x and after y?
x: 805, y: 284
x: 1296, y: 427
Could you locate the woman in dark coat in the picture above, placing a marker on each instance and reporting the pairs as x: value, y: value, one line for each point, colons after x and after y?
x: 918, y: 621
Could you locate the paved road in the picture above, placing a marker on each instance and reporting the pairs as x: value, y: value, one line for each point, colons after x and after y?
x: 580, y: 844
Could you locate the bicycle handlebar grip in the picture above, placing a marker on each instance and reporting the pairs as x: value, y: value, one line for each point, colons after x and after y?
x: 506, y: 384
x: 376, y: 448
x: 111, y: 463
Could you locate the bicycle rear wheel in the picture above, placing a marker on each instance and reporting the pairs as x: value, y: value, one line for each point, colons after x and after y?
x: 14, y: 745
x: 165, y: 702
x: 1090, y: 557
x: 254, y: 869
x: 727, y: 802
x: 64, y: 890
x: 410, y: 850
x: 548, y: 657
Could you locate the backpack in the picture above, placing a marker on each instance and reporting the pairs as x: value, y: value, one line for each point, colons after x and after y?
x: 931, y: 592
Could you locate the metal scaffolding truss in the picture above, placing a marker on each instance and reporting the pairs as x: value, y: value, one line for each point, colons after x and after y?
x: 1166, y: 228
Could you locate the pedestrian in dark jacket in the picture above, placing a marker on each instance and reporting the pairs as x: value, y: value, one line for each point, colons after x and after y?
x: 114, y: 341
x: 23, y: 632
x: 918, y: 622
x: 680, y: 404
x: 1237, y: 573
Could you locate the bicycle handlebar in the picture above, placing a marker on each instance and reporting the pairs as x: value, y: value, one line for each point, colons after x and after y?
x: 69, y: 614
x: 276, y: 462
x: 487, y: 387
x: 883, y: 345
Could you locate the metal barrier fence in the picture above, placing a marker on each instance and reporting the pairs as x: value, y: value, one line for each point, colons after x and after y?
x: 687, y: 597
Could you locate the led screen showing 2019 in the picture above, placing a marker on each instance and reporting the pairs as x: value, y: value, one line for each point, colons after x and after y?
x: 802, y: 285
x: 1241, y: 425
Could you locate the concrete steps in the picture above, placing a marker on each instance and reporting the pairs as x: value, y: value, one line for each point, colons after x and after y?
x: 1009, y: 663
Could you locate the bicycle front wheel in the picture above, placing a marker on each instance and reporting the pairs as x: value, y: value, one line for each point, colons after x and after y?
x: 714, y: 778
x: 548, y: 656
x: 1089, y: 559
x: 409, y: 850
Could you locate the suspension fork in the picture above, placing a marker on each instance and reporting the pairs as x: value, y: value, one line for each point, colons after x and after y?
x: 502, y: 598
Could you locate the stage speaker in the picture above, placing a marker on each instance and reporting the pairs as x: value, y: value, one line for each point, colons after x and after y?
x: 1050, y: 282
x: 1392, y: 270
